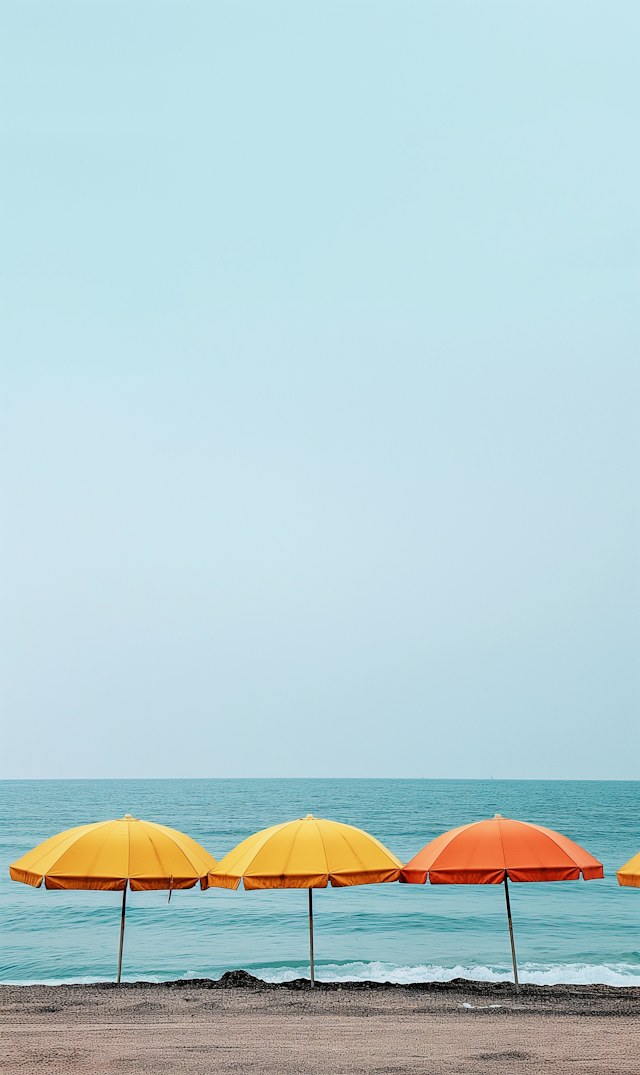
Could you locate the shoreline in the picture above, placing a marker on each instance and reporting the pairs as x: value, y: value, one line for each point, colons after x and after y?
x: 594, y: 998
x: 630, y: 981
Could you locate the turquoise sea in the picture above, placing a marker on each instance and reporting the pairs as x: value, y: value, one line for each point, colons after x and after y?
x: 565, y: 932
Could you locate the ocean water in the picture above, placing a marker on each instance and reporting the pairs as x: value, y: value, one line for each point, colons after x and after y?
x: 565, y: 932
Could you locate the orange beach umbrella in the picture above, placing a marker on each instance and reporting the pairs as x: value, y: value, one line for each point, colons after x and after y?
x: 490, y: 852
x: 307, y: 853
x: 108, y: 855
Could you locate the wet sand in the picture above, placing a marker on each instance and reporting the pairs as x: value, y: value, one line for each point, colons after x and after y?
x: 240, y: 1025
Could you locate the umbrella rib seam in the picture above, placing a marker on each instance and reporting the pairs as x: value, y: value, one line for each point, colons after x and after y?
x: 326, y: 857
x: 288, y: 858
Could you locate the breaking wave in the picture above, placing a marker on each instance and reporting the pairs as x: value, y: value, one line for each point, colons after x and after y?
x: 620, y: 974
x: 623, y: 974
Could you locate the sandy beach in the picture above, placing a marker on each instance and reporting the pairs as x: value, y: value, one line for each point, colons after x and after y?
x: 241, y: 1025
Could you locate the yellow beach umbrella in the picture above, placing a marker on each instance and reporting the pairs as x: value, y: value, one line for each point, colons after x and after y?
x: 307, y: 853
x: 629, y: 875
x: 109, y: 854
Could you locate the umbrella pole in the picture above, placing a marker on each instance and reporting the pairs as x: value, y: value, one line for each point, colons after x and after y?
x: 513, y: 943
x: 313, y: 978
x: 124, y: 911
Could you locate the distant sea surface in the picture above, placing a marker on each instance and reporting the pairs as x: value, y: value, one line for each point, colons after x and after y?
x: 565, y: 932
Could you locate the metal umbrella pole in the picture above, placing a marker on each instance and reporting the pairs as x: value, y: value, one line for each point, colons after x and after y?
x: 124, y: 911
x: 513, y: 943
x: 313, y: 978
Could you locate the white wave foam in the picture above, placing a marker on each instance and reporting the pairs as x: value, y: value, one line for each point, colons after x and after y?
x: 623, y: 974
x: 620, y: 974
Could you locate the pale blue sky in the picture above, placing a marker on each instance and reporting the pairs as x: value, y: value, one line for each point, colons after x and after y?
x: 320, y: 405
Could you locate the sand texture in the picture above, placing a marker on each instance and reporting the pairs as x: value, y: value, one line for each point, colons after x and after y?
x: 241, y: 1026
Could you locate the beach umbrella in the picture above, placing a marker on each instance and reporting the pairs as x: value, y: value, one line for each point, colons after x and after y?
x: 490, y: 852
x: 629, y: 875
x: 108, y: 855
x: 307, y: 853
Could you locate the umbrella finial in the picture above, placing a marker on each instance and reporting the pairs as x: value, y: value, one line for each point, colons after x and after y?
x: 497, y: 816
x: 127, y: 817
x: 309, y: 815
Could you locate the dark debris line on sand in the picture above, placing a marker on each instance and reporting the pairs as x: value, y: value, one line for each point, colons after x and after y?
x: 608, y: 998
x: 593, y: 1000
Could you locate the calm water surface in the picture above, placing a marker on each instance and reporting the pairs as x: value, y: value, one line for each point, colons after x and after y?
x: 573, y: 931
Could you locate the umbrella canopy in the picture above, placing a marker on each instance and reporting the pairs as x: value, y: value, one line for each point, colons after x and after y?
x: 481, y: 854
x: 629, y: 875
x: 490, y: 852
x: 109, y: 855
x: 106, y: 855
x: 307, y: 853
